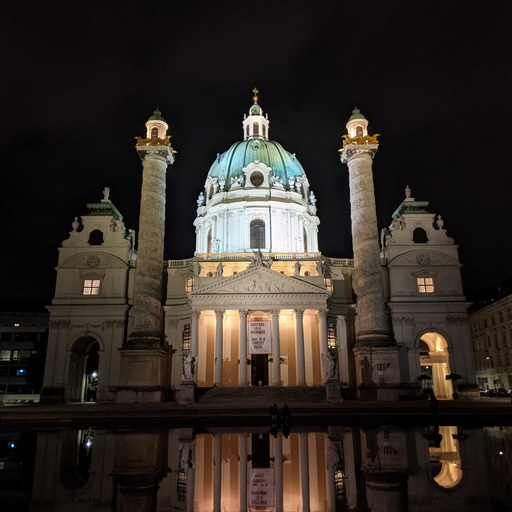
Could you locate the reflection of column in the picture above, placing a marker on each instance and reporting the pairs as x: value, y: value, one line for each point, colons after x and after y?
x: 304, y: 470
x: 218, y: 347
x: 276, y: 349
x: 343, y: 367
x: 329, y: 470
x: 217, y: 471
x: 322, y: 334
x: 191, y: 473
x: 299, y: 328
x: 242, y: 369
x: 242, y: 452
x: 278, y: 467
x: 194, y: 333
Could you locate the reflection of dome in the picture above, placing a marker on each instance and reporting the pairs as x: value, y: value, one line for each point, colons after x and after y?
x: 284, y: 165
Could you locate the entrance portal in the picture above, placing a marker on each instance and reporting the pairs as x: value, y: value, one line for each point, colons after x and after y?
x: 435, y: 362
x: 259, y: 370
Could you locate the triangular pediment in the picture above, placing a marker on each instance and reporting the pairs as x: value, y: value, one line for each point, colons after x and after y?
x: 259, y: 280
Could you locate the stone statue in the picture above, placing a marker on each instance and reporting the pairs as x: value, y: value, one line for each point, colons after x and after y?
x: 297, y: 187
x: 270, y: 262
x: 222, y: 183
x: 291, y: 183
x: 236, y: 181
x: 215, y: 187
x: 200, y: 200
x: 189, y: 366
x: 215, y: 245
x: 439, y: 222
x: 329, y: 364
x: 312, y: 198
x: 334, y: 455
x: 276, y: 182
x: 106, y: 194
x: 119, y: 225
x: 220, y: 269
x: 319, y: 268
x: 297, y: 268
x: 185, y: 456
x: 257, y: 259
x: 131, y: 237
x: 197, y: 269
x: 75, y: 224
x: 407, y: 192
x: 395, y: 223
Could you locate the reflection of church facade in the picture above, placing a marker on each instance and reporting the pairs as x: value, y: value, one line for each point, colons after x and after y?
x: 258, y: 308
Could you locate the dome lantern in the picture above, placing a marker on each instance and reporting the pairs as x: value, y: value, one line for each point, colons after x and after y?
x: 357, y: 125
x: 255, y: 125
x: 156, y: 126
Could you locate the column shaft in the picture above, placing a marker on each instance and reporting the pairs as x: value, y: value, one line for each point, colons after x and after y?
x: 217, y: 471
x: 301, y: 364
x: 242, y: 369
x: 242, y: 452
x: 219, y: 328
x: 278, y: 468
x: 194, y: 334
x: 304, y: 470
x: 276, y: 349
x: 322, y: 335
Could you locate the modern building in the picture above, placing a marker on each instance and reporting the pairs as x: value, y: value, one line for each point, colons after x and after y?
x: 257, y: 310
x: 23, y: 339
x: 491, y: 343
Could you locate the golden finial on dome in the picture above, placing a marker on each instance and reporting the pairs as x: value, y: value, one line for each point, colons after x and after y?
x: 255, y: 97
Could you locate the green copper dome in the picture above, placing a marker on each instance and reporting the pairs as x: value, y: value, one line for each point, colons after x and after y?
x: 256, y: 110
x: 356, y: 114
x: 157, y: 116
x: 229, y: 165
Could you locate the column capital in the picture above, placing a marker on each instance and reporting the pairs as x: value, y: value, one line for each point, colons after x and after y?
x: 243, y: 313
x: 322, y: 313
x: 220, y: 313
x: 275, y: 312
x: 195, y: 313
x: 299, y: 312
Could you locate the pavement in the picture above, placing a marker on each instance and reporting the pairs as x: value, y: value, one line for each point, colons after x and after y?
x: 173, y: 415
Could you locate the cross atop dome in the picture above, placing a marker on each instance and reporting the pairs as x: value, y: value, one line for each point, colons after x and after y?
x: 255, y: 125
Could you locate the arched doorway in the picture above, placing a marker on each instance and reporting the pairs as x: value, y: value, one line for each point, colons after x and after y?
x: 435, y: 362
x: 83, y: 370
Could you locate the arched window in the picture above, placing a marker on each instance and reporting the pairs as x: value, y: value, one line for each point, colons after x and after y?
x: 154, y: 133
x: 255, y: 129
x: 264, y: 130
x: 419, y: 236
x: 247, y: 131
x: 359, y: 131
x: 305, y: 238
x: 209, y: 240
x: 257, y: 232
x: 96, y: 237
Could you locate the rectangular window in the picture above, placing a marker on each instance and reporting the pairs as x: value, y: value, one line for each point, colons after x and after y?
x: 331, y: 335
x: 186, y: 338
x: 425, y: 284
x: 91, y: 287
x: 189, y: 286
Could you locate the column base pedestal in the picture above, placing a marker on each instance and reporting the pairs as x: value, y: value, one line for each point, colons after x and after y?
x: 333, y: 391
x: 187, y: 395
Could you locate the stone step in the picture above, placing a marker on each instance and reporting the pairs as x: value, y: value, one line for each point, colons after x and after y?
x: 261, y: 395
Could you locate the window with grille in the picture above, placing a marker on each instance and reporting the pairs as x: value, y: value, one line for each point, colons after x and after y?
x: 339, y: 484
x: 425, y: 284
x: 182, y: 486
x: 331, y: 335
x: 186, y: 337
x: 91, y: 287
x: 257, y: 232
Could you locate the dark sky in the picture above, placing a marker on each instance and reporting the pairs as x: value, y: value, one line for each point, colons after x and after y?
x: 79, y: 80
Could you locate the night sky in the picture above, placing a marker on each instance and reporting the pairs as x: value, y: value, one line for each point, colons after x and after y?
x: 79, y: 80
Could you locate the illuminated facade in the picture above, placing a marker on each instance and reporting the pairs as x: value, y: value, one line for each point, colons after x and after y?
x: 258, y: 308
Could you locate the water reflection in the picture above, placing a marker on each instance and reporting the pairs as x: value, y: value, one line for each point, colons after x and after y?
x: 310, y: 469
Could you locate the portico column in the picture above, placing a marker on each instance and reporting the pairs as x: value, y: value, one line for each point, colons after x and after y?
x: 322, y: 335
x: 217, y: 471
x: 242, y: 452
x: 304, y: 469
x: 278, y: 467
x: 219, y: 327
x: 194, y: 333
x: 276, y: 349
x: 242, y: 368
x: 299, y: 329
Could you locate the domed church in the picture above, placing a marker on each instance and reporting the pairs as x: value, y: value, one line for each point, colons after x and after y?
x: 258, y: 312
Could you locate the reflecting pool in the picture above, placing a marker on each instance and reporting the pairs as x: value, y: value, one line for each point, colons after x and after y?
x: 273, y: 467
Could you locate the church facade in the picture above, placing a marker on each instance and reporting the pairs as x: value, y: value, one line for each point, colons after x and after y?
x: 257, y: 307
